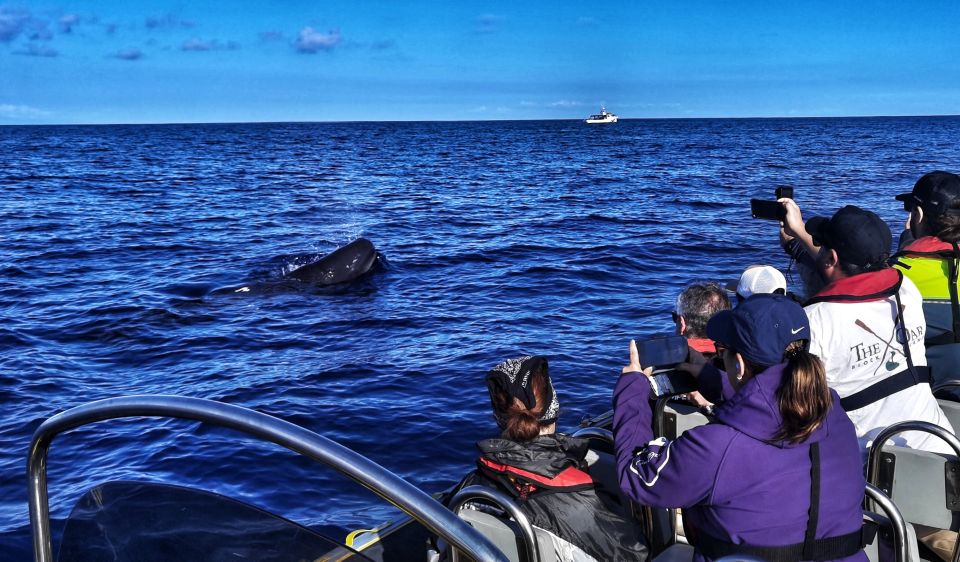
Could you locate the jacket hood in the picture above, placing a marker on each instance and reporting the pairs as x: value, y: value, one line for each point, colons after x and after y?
x: 546, y: 455
x: 755, y: 412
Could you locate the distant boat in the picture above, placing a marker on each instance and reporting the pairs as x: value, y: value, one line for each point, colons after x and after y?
x: 603, y: 117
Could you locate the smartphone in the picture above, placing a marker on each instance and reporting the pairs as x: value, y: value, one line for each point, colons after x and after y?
x: 662, y: 352
x: 767, y: 210
x: 784, y: 192
x: 668, y: 383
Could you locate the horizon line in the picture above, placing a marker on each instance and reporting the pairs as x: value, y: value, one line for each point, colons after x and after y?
x: 348, y: 121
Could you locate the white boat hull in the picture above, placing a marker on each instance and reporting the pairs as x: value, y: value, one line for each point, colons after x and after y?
x: 605, y: 120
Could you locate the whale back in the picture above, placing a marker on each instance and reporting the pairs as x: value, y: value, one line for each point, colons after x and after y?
x: 340, y: 266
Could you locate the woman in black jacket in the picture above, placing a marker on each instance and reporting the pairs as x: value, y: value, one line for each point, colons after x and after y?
x: 546, y: 472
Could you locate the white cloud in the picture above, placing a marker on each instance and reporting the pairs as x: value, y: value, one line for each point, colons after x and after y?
x: 12, y: 23
x: 129, y: 54
x: 37, y: 50
x: 68, y: 22
x: 488, y: 23
x: 312, y: 41
x: 197, y: 44
x: 12, y: 111
x: 566, y: 103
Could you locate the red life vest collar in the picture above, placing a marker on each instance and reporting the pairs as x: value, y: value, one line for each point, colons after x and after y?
x: 703, y: 345
x: 928, y: 246
x: 570, y: 477
x: 872, y: 286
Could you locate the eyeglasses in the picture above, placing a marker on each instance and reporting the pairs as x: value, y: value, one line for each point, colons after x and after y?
x: 675, y: 316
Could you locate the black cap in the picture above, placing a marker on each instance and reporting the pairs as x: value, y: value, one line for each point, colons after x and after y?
x: 936, y: 192
x: 858, y: 236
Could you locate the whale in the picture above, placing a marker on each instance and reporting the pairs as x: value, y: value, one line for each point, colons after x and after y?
x: 343, y: 265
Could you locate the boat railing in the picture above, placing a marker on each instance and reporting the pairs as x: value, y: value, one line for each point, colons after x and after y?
x: 385, y: 484
x: 503, y: 502
x: 876, y: 449
x: 596, y: 433
x: 897, y: 522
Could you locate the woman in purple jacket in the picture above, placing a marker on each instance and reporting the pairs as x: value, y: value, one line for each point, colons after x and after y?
x: 779, y: 476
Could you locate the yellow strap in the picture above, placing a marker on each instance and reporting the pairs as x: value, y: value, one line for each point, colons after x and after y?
x: 354, y: 534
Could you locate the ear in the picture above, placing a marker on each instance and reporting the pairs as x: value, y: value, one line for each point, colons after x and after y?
x: 832, y: 258
x: 917, y: 226
x: 682, y: 326
x: 740, y: 366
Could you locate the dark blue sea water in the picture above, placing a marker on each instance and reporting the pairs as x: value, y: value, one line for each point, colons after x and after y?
x: 499, y: 238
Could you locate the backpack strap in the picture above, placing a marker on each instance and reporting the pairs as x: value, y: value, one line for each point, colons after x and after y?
x: 954, y: 263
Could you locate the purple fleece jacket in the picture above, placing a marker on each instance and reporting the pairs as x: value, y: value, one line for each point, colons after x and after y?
x: 732, y: 483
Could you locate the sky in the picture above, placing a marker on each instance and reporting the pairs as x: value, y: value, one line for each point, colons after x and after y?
x: 157, y: 61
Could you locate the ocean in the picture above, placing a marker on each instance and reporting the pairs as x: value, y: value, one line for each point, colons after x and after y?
x: 121, y: 246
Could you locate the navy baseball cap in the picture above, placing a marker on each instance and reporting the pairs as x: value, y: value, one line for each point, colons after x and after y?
x: 937, y: 192
x: 859, y: 237
x: 760, y: 328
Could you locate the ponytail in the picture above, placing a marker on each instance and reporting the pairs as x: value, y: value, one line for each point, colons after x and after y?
x: 803, y: 396
x: 520, y: 423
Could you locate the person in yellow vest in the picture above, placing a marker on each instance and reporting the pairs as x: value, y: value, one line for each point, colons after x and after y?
x: 929, y: 254
x: 930, y: 257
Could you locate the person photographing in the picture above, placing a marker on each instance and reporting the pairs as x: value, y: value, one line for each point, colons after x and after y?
x: 779, y: 476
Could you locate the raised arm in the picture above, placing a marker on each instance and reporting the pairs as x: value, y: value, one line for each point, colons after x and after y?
x: 660, y: 472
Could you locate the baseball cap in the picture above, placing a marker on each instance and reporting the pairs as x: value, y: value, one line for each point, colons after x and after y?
x: 858, y: 236
x: 937, y: 192
x: 760, y: 328
x: 758, y: 279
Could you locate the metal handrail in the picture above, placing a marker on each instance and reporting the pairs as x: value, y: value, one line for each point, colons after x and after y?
x: 873, y: 461
x: 415, y: 502
x: 598, y: 433
x: 896, y: 521
x: 504, y: 502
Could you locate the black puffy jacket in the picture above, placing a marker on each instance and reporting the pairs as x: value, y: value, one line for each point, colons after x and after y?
x: 546, y: 478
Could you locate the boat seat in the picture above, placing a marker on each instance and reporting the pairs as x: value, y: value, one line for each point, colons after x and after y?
x: 922, y: 484
x: 505, y: 535
x: 925, y: 486
x: 951, y: 409
x: 679, y: 416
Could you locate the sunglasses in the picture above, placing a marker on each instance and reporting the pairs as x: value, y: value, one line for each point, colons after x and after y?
x: 675, y: 316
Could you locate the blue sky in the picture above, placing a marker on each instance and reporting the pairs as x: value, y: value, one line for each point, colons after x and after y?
x: 213, y: 61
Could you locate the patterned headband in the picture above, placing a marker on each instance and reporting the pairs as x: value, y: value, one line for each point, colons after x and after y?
x: 513, y: 376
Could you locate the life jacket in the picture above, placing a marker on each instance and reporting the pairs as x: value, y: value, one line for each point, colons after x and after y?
x: 868, y: 287
x: 933, y: 266
x: 703, y: 345
x: 523, y: 483
x: 811, y: 549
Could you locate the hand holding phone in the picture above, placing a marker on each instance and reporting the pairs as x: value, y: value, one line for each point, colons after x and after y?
x: 662, y: 352
x: 767, y: 210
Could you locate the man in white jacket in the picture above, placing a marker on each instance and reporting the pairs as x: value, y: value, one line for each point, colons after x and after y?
x: 874, y: 355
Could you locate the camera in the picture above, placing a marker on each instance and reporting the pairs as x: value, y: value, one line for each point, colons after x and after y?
x: 784, y: 192
x: 771, y: 210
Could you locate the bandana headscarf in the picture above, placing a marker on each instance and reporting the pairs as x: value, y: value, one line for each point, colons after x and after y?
x: 513, y: 377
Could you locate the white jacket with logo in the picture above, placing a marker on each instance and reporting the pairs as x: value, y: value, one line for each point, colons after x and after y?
x: 853, y: 329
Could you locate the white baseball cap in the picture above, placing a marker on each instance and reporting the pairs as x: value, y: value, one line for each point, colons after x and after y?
x: 759, y: 279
